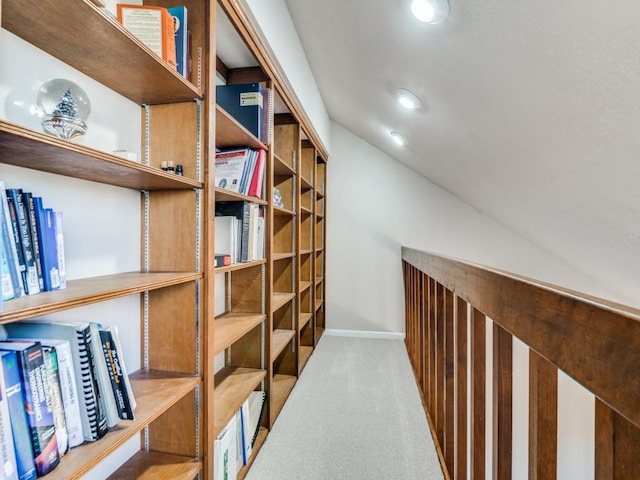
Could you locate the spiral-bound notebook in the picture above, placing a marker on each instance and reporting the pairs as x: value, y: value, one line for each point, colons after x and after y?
x: 257, y: 404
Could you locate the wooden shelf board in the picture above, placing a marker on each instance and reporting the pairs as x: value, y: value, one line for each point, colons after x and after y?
x: 319, y: 303
x: 283, y: 256
x: 99, y: 47
x: 230, y: 133
x: 262, y: 436
x: 155, y: 392
x: 39, y: 151
x: 230, y: 327
x: 153, y: 465
x: 239, y: 266
x: 319, y: 332
x: 280, y: 338
x: 87, y: 291
x: 222, y: 194
x: 305, y: 210
x: 319, y: 280
x: 280, y: 167
x: 233, y: 385
x: 319, y: 249
x: 278, y: 300
x: 319, y: 194
x: 283, y: 212
x: 305, y: 184
x: 303, y: 319
x: 304, y: 286
x: 305, y: 252
x: 281, y: 387
x: 319, y: 216
x: 303, y: 356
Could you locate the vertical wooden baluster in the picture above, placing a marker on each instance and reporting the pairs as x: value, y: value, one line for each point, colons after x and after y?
x: 603, y: 442
x: 449, y: 381
x: 432, y: 348
x: 617, y: 453
x: 543, y: 418
x: 502, y: 402
x: 426, y: 341
x: 460, y: 394
x: 478, y: 394
x: 439, y: 419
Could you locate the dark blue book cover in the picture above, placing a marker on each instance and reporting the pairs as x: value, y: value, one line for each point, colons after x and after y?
x: 37, y: 401
x: 45, y: 226
x: 16, y: 197
x: 20, y: 428
x: 179, y: 15
x: 245, y: 102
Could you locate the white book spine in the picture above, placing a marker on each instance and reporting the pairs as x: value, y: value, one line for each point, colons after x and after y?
x: 103, y: 379
x: 8, y: 466
x: 69, y: 389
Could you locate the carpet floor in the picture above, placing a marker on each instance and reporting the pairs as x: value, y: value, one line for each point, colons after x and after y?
x: 355, y: 413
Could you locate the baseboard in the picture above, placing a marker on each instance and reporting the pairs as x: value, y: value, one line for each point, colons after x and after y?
x: 364, y: 334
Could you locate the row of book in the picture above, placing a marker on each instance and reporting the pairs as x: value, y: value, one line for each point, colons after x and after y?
x: 240, y: 232
x: 32, y: 245
x: 61, y: 384
x: 241, y: 171
x: 232, y: 449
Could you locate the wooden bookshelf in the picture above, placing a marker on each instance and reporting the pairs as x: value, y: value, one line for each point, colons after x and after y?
x: 281, y: 387
x: 305, y: 354
x: 304, y: 319
x: 279, y: 341
x: 260, y: 439
x: 233, y: 385
x: 153, y: 465
x: 230, y: 327
x: 229, y: 196
x: 281, y: 299
x: 239, y: 266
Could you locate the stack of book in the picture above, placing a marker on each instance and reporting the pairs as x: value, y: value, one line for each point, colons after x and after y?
x: 234, y: 445
x: 32, y: 245
x: 240, y: 231
x: 61, y: 384
x: 241, y: 171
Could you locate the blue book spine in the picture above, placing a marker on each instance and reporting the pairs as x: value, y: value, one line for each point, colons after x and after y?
x: 20, y: 428
x: 179, y: 15
x: 37, y: 401
x: 17, y: 244
x: 45, y: 224
x: 27, y: 198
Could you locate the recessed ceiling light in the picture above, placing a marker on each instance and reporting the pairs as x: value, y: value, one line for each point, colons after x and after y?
x: 398, y: 138
x: 430, y: 11
x: 408, y: 99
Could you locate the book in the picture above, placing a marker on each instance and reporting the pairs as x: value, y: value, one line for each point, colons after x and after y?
x: 242, y: 211
x: 255, y: 188
x: 68, y: 388
x: 222, y: 260
x: 16, y: 247
x: 78, y: 334
x: 30, y: 275
x: 120, y: 392
x: 257, y: 407
x: 25, y: 462
x: 27, y: 198
x: 37, y: 401
x: 230, y: 168
x: 9, y: 246
x: 226, y: 237
x: 224, y: 452
x: 45, y: 227
x: 58, y: 227
x: 6, y: 282
x: 153, y: 26
x: 57, y: 406
x: 245, y: 102
x: 102, y: 377
x: 179, y: 15
x: 8, y: 462
x: 123, y: 367
x: 247, y: 434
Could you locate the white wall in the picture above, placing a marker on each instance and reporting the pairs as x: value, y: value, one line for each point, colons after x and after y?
x: 273, y: 19
x: 375, y: 205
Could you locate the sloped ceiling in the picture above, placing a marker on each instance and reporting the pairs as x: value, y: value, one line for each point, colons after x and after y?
x: 531, y: 111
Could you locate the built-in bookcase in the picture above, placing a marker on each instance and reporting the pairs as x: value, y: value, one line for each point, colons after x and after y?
x: 170, y: 285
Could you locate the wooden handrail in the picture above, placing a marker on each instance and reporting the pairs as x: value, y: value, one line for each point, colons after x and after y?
x: 594, y: 341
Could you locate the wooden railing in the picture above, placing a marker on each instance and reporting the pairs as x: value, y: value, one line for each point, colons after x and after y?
x: 594, y: 341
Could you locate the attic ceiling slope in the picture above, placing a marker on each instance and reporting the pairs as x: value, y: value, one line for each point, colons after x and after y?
x: 532, y: 112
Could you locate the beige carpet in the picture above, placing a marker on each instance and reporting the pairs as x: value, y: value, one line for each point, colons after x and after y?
x: 355, y: 413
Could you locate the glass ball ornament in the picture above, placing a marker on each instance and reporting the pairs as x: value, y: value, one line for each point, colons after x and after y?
x: 66, y: 107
